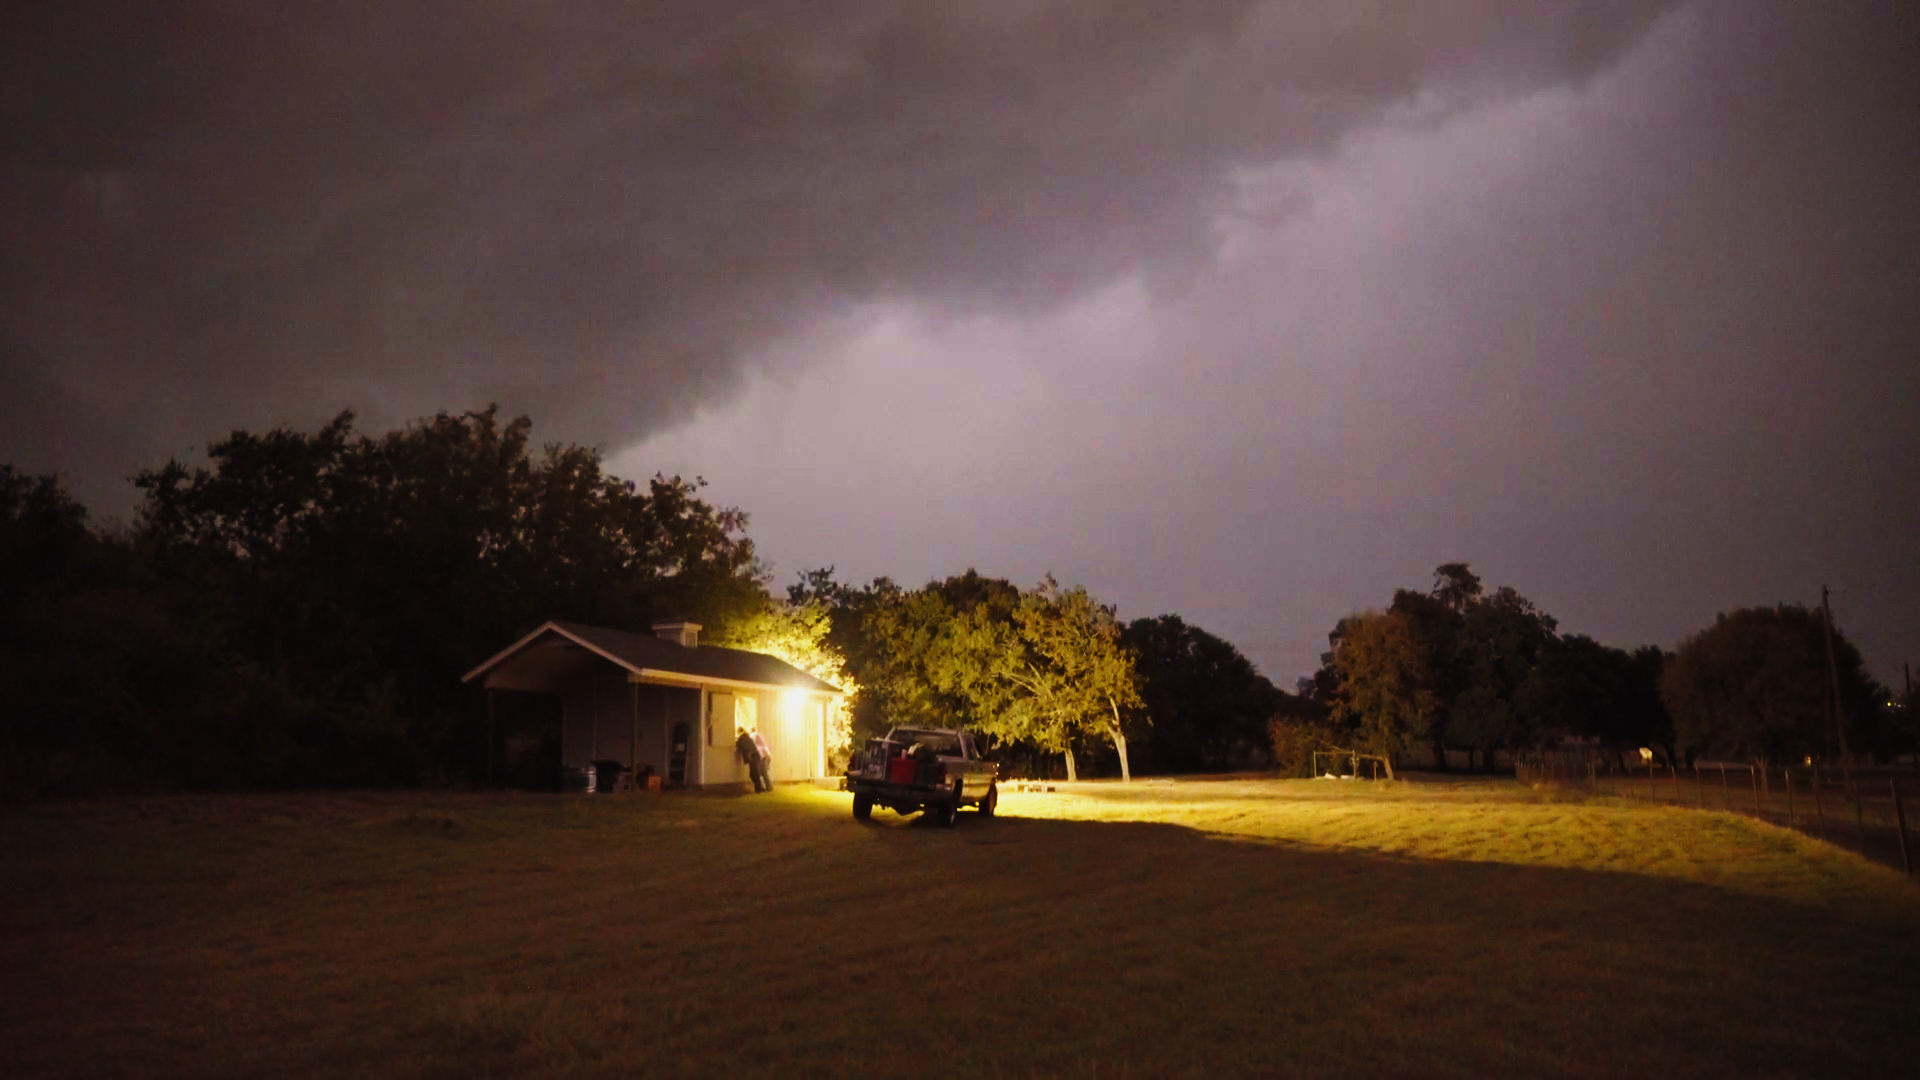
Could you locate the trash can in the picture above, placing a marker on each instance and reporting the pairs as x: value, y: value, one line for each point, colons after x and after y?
x: 606, y: 775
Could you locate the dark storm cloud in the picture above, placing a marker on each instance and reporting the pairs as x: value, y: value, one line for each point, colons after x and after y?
x: 235, y: 214
x: 1642, y: 346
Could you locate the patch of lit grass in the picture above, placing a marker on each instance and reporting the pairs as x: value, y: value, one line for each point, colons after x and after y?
x: 1196, y: 928
x: 1491, y: 821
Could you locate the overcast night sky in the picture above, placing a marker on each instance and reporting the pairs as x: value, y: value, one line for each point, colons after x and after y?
x: 1246, y: 311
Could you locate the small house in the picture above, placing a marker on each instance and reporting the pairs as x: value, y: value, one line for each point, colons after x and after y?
x: 666, y: 703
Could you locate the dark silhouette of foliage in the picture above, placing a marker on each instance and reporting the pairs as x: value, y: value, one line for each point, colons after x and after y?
x: 1755, y: 685
x: 299, y: 610
x: 1608, y: 695
x: 1466, y: 669
x: 1209, y: 707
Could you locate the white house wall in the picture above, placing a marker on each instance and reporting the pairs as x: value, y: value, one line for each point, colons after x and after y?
x: 793, y: 732
x: 599, y: 721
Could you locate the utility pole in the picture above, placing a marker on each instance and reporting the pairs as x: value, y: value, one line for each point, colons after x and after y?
x: 1834, y: 707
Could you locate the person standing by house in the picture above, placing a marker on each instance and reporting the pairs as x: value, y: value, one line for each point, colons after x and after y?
x: 749, y: 752
x: 765, y: 754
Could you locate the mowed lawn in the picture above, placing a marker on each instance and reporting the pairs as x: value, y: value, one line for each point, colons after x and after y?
x: 1205, y: 928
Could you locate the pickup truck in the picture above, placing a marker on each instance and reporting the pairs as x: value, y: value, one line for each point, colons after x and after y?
x: 933, y: 769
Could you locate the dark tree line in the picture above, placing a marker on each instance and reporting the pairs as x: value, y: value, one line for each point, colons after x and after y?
x: 1758, y: 684
x: 298, y: 611
x: 1458, y: 668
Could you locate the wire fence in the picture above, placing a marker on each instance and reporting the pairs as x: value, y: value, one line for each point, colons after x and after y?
x: 1868, y: 816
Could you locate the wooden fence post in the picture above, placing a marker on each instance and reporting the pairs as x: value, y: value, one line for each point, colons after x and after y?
x: 1699, y: 787
x: 1754, y: 778
x: 1786, y: 774
x: 1726, y: 793
x: 1900, y: 823
x: 1652, y: 794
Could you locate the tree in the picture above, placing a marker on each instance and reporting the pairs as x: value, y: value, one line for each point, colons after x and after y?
x: 1594, y: 691
x: 1433, y: 621
x: 1755, y: 685
x: 1066, y: 672
x: 1206, y: 702
x: 1498, y: 698
x: 43, y: 534
x: 1387, y: 696
x: 364, y: 575
x: 920, y: 656
x: 1042, y: 667
x: 1464, y: 662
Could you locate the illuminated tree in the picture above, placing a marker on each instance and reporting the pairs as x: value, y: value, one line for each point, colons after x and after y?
x: 1387, y: 695
x: 1064, y: 673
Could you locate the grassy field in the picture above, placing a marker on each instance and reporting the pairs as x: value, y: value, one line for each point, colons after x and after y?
x: 1234, y: 927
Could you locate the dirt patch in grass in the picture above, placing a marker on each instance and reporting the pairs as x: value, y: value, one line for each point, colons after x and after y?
x: 1169, y: 929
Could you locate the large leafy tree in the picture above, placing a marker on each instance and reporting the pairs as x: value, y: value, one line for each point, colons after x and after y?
x: 43, y: 534
x: 1388, y: 697
x: 1471, y: 659
x: 1499, y: 696
x: 918, y: 656
x: 365, y: 574
x: 1432, y: 622
x: 1206, y: 701
x: 1066, y: 673
x: 1609, y: 695
x: 1755, y: 685
x: 1044, y: 667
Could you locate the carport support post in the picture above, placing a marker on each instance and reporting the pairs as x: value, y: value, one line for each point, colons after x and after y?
x: 1859, y: 825
x: 1900, y: 826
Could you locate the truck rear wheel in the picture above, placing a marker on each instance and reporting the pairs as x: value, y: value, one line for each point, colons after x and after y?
x: 862, y: 807
x: 990, y: 801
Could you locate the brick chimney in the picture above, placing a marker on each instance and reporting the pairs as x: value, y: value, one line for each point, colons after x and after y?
x: 679, y: 631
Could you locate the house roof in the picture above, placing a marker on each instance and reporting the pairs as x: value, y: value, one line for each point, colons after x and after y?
x: 649, y: 657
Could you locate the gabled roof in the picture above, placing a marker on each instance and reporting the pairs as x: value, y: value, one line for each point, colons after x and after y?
x: 646, y: 656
